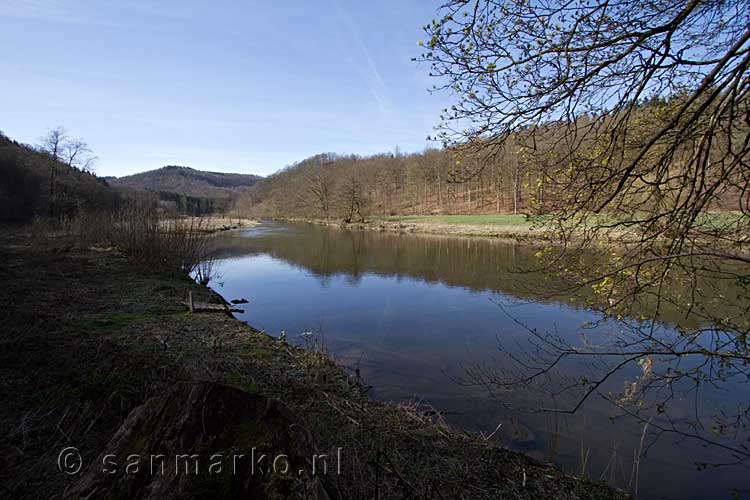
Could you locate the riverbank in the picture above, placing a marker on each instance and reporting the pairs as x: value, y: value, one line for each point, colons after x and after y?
x: 508, y: 227
x: 512, y: 227
x: 212, y: 224
x: 498, y: 226
x: 92, y: 342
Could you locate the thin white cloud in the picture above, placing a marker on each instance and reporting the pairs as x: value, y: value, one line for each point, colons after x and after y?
x: 88, y: 13
x: 54, y: 11
x: 363, y: 63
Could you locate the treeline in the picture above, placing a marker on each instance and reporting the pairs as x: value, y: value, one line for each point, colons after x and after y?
x: 56, y: 180
x: 188, y: 181
x: 546, y: 169
x: 171, y: 203
x: 351, y: 187
x: 35, y: 182
x: 184, y: 190
x: 190, y: 205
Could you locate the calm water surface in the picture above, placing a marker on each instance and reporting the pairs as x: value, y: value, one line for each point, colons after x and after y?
x: 413, y: 311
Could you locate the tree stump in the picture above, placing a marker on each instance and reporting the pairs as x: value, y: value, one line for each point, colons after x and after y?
x: 205, y: 440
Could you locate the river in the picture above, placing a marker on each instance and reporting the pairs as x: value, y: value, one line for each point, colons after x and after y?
x: 414, y: 312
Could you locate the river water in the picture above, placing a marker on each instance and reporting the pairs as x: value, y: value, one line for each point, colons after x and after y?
x: 415, y: 312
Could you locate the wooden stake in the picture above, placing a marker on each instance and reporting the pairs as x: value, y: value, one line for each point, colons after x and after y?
x: 190, y: 301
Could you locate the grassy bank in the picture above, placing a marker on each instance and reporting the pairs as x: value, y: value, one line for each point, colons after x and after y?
x: 463, y: 220
x: 501, y: 226
x: 90, y: 335
x: 519, y: 227
x: 498, y: 226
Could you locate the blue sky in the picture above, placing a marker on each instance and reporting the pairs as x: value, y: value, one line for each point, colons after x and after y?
x: 217, y: 85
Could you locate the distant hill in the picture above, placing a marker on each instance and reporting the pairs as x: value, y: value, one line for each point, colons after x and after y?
x: 188, y: 181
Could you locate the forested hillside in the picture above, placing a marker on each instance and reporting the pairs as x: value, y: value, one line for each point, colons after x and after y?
x: 187, y: 190
x: 538, y: 170
x: 55, y: 183
x: 186, y: 180
x: 352, y: 187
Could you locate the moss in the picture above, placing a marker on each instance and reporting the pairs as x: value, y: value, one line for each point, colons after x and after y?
x: 243, y: 382
x: 262, y: 353
x: 137, y: 447
x: 258, y: 352
x: 252, y: 434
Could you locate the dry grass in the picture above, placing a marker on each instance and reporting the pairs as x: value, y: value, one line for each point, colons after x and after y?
x: 170, y: 245
x: 215, y: 223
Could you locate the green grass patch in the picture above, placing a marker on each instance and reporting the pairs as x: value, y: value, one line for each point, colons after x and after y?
x: 110, y: 322
x: 243, y: 382
x: 719, y: 220
x: 259, y: 353
x: 479, y: 220
x: 253, y: 433
x: 710, y: 219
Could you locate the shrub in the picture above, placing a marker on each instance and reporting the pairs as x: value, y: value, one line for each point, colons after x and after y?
x: 171, y: 245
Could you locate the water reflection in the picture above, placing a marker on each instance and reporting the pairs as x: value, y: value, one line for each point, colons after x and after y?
x: 411, y: 311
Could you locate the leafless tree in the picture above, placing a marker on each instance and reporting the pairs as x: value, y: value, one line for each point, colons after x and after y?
x: 64, y: 151
x: 78, y: 155
x: 319, y: 186
x: 53, y: 143
x: 634, y: 118
x: 353, y: 200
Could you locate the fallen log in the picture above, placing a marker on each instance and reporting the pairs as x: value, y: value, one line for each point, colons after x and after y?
x: 196, y: 307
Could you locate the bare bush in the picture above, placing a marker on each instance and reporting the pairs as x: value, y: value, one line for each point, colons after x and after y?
x: 171, y: 245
